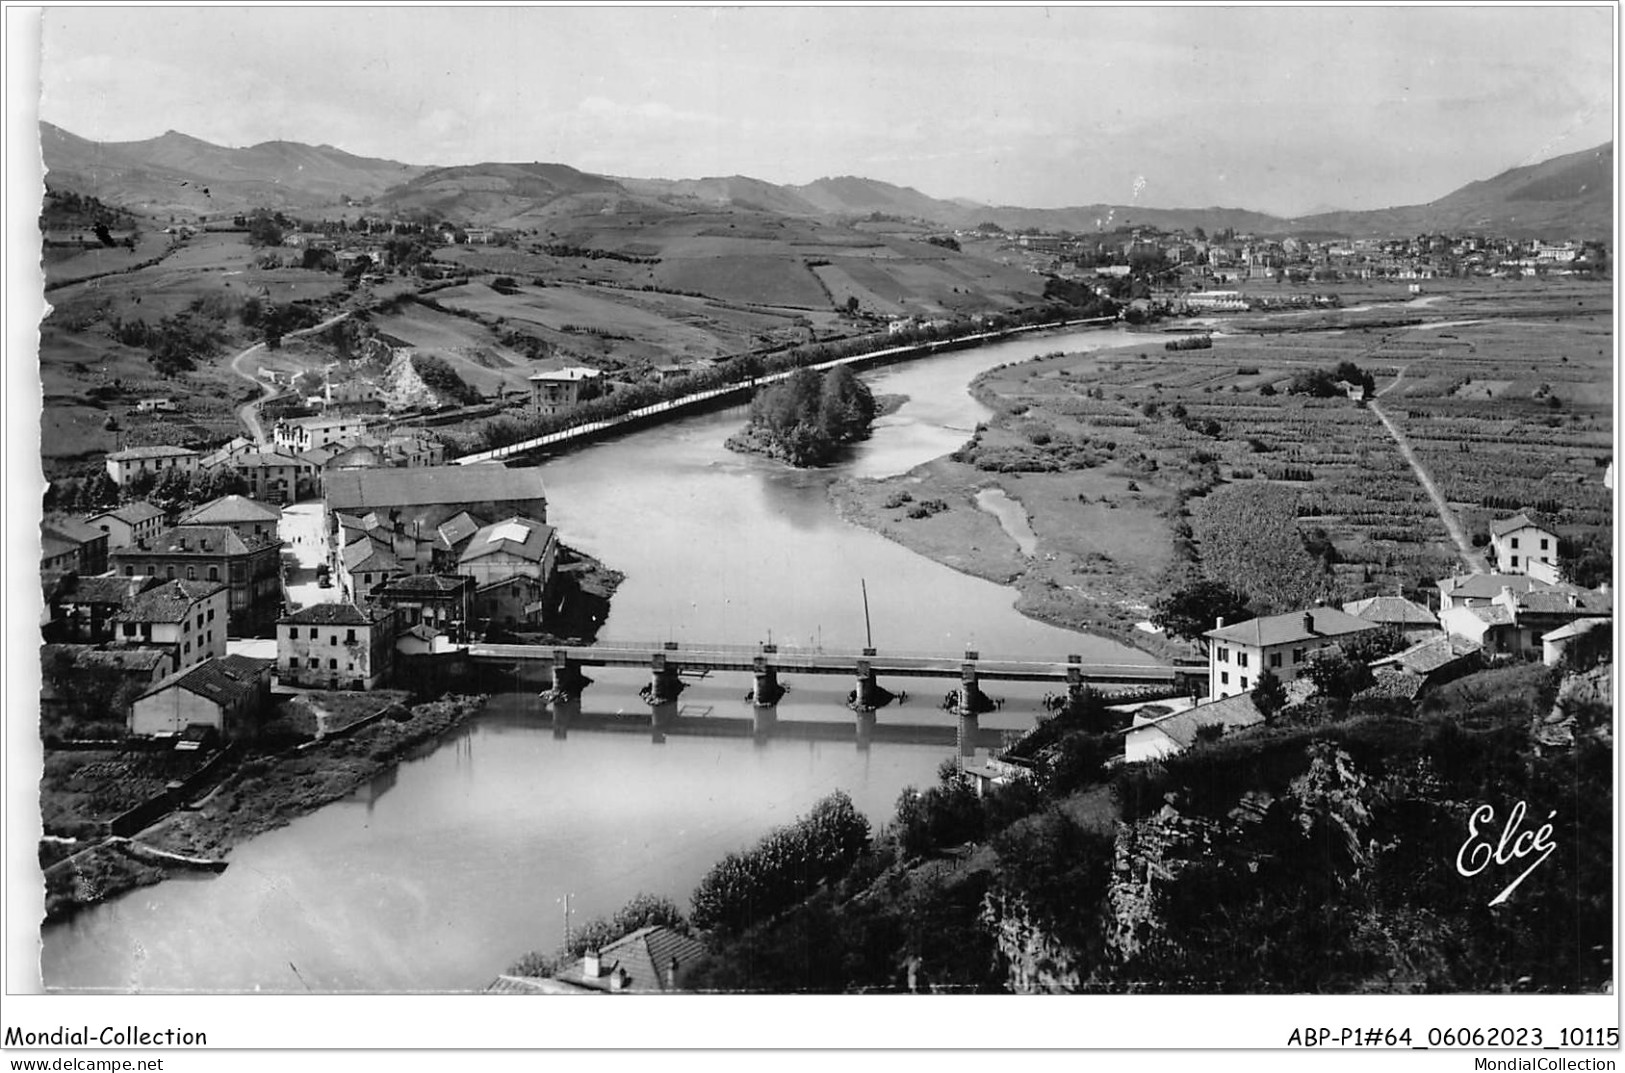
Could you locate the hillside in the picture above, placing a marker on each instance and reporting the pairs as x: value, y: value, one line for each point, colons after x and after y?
x: 176, y: 172
x: 1567, y: 196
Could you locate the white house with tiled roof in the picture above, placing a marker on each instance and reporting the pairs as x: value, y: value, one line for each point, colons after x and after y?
x: 244, y: 516
x: 1467, y: 590
x: 1523, y: 546
x: 124, y: 466
x: 1280, y: 643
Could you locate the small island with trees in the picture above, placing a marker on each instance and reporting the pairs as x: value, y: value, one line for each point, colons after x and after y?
x: 805, y: 419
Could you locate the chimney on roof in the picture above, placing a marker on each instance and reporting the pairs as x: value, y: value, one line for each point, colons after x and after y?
x: 590, y: 965
x: 618, y: 979
x: 1574, y: 600
x: 1309, y: 622
x: 1220, y: 623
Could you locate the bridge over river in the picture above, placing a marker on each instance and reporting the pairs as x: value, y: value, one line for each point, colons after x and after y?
x: 560, y: 669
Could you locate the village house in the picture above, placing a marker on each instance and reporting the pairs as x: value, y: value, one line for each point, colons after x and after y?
x: 163, y: 405
x: 251, y: 569
x: 274, y: 477
x: 186, y: 617
x: 512, y: 565
x: 81, y: 609
x: 1515, y: 622
x: 124, y: 466
x: 304, y: 433
x: 1566, y: 640
x: 352, y: 392
x: 243, y: 516
x: 227, y: 452
x: 71, y: 546
x: 443, y: 603
x: 645, y: 962
x: 1427, y: 664
x: 1280, y: 643
x: 1407, y: 617
x: 127, y: 524
x: 227, y: 694
x: 336, y: 646
x: 1523, y: 546
x: 560, y: 390
x: 1471, y: 590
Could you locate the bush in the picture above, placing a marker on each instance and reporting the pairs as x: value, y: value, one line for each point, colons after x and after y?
x: 745, y: 888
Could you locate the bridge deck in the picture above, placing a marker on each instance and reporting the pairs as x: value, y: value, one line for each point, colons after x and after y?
x: 833, y: 661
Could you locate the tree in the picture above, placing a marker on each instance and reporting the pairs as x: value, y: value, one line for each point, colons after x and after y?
x: 1269, y: 693
x: 1336, y: 675
x: 264, y: 230
x: 1194, y: 610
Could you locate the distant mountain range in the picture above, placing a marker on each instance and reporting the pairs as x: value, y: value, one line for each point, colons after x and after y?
x: 1566, y: 197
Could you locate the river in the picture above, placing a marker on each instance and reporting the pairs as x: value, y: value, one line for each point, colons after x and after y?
x: 448, y: 868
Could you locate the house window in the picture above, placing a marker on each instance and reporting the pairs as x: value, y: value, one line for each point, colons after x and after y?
x: 129, y: 571
x: 1514, y: 542
x: 191, y: 573
x: 211, y: 614
x: 200, y: 620
x: 1514, y: 558
x: 214, y: 573
x: 186, y: 649
x: 129, y: 629
x: 1244, y: 681
x: 291, y: 662
x: 1224, y: 678
x: 349, y: 637
x: 1297, y: 655
x: 293, y: 633
x: 333, y: 640
x: 151, y: 570
x: 1224, y: 655
x: 1542, y: 543
x: 1241, y: 659
x: 1275, y: 659
x: 332, y: 664
x: 313, y: 662
x: 169, y: 572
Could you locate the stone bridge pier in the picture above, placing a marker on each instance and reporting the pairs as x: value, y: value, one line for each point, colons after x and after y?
x: 665, y: 680
x: 767, y: 690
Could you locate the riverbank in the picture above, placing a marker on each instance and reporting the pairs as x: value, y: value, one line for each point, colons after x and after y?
x: 1102, y: 528
x: 264, y: 793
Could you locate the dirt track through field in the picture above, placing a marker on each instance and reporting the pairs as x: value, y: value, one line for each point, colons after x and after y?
x: 249, y: 412
x: 1474, y: 562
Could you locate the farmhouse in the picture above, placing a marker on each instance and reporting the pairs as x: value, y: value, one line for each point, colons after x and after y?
x: 1522, y: 546
x: 1281, y: 643
x: 304, y: 433
x: 227, y: 694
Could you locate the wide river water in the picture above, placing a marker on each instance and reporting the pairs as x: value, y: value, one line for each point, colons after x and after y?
x: 449, y: 867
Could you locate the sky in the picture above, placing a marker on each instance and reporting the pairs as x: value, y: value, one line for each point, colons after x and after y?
x: 1283, y: 110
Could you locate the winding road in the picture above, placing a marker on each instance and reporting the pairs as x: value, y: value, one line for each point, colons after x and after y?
x: 249, y: 412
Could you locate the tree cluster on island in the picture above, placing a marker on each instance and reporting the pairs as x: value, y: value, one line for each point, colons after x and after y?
x: 806, y: 418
